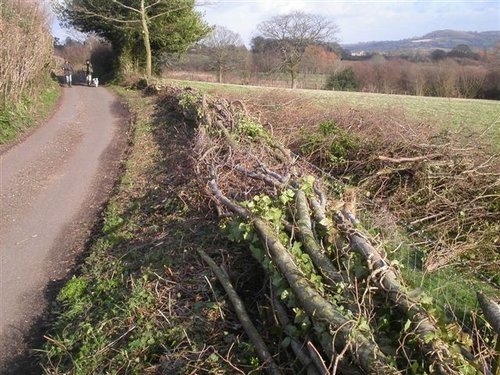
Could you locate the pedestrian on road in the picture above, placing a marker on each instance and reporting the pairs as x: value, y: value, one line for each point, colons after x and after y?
x: 88, y: 73
x: 68, y: 72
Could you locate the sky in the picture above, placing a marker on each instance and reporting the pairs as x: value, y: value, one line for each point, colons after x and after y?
x: 359, y: 21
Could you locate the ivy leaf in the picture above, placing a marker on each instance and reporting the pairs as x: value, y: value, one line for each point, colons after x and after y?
x: 407, y: 325
x: 286, y: 342
x: 364, y: 326
x: 307, y: 185
x: 426, y: 299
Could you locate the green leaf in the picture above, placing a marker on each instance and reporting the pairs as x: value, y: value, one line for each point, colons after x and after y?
x: 286, y: 342
x: 307, y: 184
x: 407, y: 325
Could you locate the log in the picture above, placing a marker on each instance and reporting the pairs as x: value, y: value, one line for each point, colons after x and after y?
x: 364, y: 352
x: 434, y: 348
x: 311, y: 246
x: 491, y: 311
x: 260, y: 347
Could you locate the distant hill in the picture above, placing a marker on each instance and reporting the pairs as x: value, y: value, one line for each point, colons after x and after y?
x: 443, y: 39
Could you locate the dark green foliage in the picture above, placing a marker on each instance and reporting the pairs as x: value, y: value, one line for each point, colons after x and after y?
x: 438, y: 54
x: 330, y: 146
x: 463, y: 51
x: 173, y: 25
x: 345, y: 80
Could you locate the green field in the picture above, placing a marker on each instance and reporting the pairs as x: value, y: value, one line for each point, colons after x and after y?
x: 480, y: 116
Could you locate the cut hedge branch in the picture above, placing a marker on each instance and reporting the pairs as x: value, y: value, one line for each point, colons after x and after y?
x: 439, y: 355
x: 259, y: 345
x: 251, y: 177
x: 364, y: 351
x: 491, y: 311
x: 312, y: 247
x: 299, y: 350
x: 408, y: 160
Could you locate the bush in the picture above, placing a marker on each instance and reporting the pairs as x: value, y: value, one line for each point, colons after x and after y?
x: 345, y: 80
x: 330, y: 146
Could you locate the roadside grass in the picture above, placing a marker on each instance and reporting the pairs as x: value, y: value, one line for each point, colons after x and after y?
x: 16, y: 118
x: 143, y: 302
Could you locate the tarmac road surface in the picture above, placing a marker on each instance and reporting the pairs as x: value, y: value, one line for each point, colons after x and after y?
x: 52, y: 187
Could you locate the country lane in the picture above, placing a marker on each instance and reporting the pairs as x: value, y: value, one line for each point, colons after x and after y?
x: 52, y: 187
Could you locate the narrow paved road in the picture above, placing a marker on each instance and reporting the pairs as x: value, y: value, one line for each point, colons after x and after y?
x: 51, y: 187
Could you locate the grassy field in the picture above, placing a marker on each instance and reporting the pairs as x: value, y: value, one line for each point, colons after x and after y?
x: 479, y: 116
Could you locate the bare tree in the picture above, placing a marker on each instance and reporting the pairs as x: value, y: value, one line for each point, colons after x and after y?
x: 225, y: 47
x: 293, y: 33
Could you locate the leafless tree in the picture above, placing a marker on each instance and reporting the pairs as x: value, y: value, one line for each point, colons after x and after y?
x: 293, y: 33
x: 225, y: 49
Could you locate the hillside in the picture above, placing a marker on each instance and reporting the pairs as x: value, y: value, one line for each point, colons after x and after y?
x: 444, y: 39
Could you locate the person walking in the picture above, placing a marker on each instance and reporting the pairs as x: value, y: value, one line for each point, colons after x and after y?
x: 88, y: 73
x: 68, y: 72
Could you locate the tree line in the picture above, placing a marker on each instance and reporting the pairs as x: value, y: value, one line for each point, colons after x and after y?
x: 460, y: 72
x: 295, y: 49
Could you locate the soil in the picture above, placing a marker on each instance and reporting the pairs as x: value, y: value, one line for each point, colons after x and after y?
x: 53, y: 186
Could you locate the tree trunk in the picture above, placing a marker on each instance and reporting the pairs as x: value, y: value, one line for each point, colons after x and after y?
x: 147, y: 44
x: 293, y: 75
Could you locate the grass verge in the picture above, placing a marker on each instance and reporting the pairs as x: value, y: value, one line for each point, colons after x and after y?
x: 16, y: 118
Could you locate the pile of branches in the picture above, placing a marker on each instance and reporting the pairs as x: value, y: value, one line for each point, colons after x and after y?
x: 341, y: 305
x: 443, y: 185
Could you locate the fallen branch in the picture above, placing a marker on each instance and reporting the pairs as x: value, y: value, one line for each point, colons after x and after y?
x: 259, y: 345
x: 435, y: 349
x: 298, y: 349
x: 364, y: 351
x: 312, y: 247
x: 491, y: 311
x: 408, y: 160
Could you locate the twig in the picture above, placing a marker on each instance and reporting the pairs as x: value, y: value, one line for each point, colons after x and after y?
x: 253, y: 334
x: 408, y: 160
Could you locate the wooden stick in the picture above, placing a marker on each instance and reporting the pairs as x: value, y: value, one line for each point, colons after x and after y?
x: 408, y: 160
x: 260, y: 347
